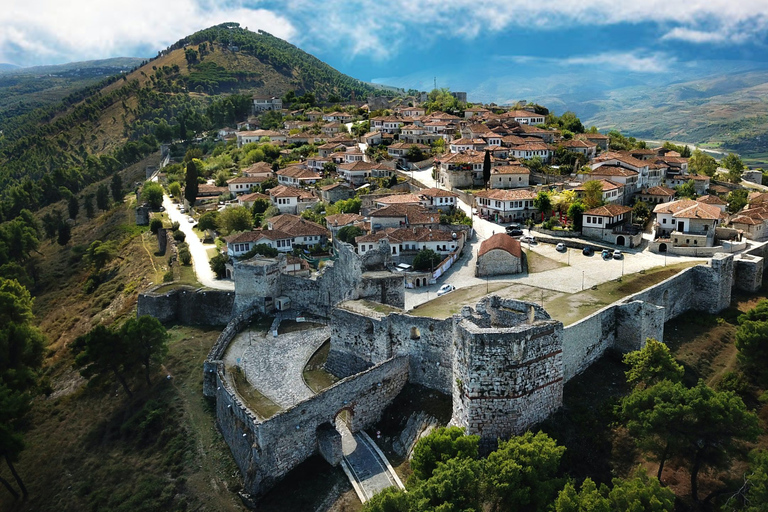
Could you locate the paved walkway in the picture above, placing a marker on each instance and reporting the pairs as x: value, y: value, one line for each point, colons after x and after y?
x: 274, y: 366
x: 365, y: 465
x: 198, y: 250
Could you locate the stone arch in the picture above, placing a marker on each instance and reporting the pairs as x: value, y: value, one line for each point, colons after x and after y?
x: 424, y: 282
x: 662, y: 247
x: 415, y: 333
x: 343, y: 418
x: 620, y: 240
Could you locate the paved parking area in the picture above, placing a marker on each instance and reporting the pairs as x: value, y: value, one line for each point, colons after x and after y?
x: 578, y: 272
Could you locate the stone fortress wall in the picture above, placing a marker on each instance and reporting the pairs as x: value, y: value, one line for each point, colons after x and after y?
x: 504, y: 362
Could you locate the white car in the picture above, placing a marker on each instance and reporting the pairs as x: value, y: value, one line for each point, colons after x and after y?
x: 190, y: 219
x: 446, y: 288
x: 528, y: 238
x: 560, y: 247
x: 617, y: 255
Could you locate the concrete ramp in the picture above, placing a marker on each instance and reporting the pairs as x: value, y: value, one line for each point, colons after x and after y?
x: 365, y: 465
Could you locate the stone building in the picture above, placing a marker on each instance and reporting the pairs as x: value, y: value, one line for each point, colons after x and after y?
x: 499, y: 255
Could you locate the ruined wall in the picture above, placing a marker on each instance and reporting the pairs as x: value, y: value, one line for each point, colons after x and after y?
x: 266, y: 451
x: 749, y: 273
x: 255, y: 280
x: 188, y: 306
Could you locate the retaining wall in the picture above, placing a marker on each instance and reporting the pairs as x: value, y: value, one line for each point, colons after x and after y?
x: 187, y: 305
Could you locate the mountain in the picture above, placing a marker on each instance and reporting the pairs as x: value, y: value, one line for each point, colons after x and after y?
x: 206, y: 79
x: 8, y: 67
x: 727, y: 111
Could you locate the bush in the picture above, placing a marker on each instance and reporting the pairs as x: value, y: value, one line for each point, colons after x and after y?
x: 155, y: 225
x: 218, y: 265
x: 168, y: 277
x: 426, y: 259
x: 175, y: 226
x: 185, y: 256
x: 179, y: 236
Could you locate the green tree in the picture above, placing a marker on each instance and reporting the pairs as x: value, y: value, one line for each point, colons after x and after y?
x: 442, y: 445
x: 101, y: 353
x: 73, y: 206
x: 65, y: 233
x: 155, y: 225
x: 390, y: 499
x: 152, y: 193
x: 576, y: 214
x: 735, y: 167
x: 641, y: 213
x: 219, y: 265
x: 175, y: 189
x: 697, y: 425
x: 752, y: 341
x: 237, y: 218
x: 520, y: 474
x: 652, y: 364
x: 543, y: 202
x: 587, y: 499
x: 737, y: 199
x: 686, y: 190
x: 147, y: 340
x: 190, y: 180
x: 426, y: 259
x: 414, y: 154
x: 593, y: 194
x: 208, y: 221
x: 221, y: 178
x: 702, y: 163
x: 51, y: 221
x: 100, y: 253
x: 116, y: 187
x: 351, y: 205
x: 640, y: 493
x: 753, y: 496
x: 487, y: 169
x: 102, y: 197
x: 347, y: 234
x: 329, y: 168
x: 14, y: 405
x: 455, y: 485
x: 88, y: 205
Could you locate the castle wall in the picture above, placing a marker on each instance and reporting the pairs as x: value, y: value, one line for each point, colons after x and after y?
x: 265, y: 451
x: 188, y: 306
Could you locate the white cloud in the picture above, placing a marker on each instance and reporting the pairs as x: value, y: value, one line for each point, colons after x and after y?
x: 381, y: 29
x: 47, y: 31
x: 636, y: 61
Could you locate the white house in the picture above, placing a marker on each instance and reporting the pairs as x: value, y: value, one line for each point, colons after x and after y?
x: 263, y: 103
x: 438, y: 198
x: 241, y: 243
x: 687, y: 223
x: 506, y: 205
x: 291, y: 200
x: 297, y: 175
x: 611, y: 223
x: 243, y: 184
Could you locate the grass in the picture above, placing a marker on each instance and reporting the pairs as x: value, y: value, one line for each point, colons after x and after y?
x: 540, y: 263
x: 93, y: 449
x: 566, y: 307
x: 254, y: 400
x: 314, y: 375
x: 287, y: 326
x: 570, y: 308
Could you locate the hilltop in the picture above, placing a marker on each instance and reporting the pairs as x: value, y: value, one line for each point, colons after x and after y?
x: 114, y: 123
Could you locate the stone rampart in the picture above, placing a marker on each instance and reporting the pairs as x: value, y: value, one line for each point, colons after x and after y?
x: 265, y: 451
x: 187, y: 305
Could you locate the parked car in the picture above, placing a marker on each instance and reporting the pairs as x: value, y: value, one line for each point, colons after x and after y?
x: 561, y: 247
x: 515, y: 232
x: 587, y: 251
x: 190, y: 219
x: 514, y: 225
x: 607, y: 254
x: 617, y: 254
x: 446, y: 288
x: 528, y: 238
x: 182, y: 209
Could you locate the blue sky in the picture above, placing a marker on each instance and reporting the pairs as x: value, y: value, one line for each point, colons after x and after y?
x: 517, y: 47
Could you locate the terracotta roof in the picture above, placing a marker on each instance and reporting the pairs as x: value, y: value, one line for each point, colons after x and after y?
x: 205, y: 189
x: 407, y: 145
x: 335, y: 185
x: 436, y: 192
x: 689, y: 209
x: 359, y: 166
x: 506, y: 195
x: 500, y: 241
x: 298, y: 172
x: 607, y: 185
x: 256, y: 235
x: 414, y: 234
x: 709, y: 199
x: 510, y: 169
x: 464, y: 157
x: 530, y: 146
x: 285, y: 191
x: 658, y: 191
x: 577, y: 143
x: 246, y: 198
x: 608, y: 210
x: 414, y: 214
x: 296, y: 226
x: 400, y: 199
x: 342, y: 219
x: 612, y: 170
x: 621, y: 157
x: 248, y: 179
x: 744, y: 219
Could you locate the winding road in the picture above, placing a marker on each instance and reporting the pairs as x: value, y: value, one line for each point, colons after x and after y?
x: 197, y: 248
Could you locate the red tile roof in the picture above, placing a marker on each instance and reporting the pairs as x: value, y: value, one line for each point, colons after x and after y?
x: 500, y: 241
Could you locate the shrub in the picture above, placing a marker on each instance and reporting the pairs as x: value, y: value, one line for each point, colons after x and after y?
x: 179, y: 236
x: 155, y: 225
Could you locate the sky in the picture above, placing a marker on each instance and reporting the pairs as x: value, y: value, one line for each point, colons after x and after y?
x: 480, y: 45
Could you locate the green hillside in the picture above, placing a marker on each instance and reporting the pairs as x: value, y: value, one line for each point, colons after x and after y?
x: 202, y: 82
x: 728, y: 112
